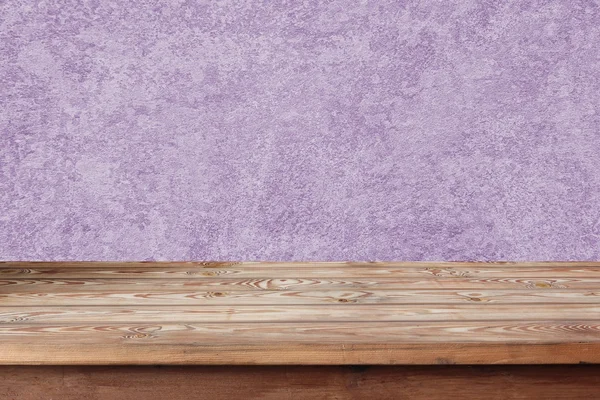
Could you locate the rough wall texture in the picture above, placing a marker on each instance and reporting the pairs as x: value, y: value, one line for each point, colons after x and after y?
x: 289, y: 130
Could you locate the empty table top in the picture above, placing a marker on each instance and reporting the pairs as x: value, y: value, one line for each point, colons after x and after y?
x: 299, y: 313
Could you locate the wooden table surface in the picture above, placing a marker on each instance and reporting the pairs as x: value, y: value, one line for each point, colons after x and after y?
x: 299, y: 313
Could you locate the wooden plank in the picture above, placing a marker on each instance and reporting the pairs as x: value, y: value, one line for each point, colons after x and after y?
x: 287, y: 313
x: 268, y: 297
x: 58, y: 285
x: 306, y: 332
x: 282, y: 271
x: 138, y: 352
x: 300, y: 382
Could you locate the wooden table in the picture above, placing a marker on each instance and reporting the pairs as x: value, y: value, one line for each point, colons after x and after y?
x: 425, y: 319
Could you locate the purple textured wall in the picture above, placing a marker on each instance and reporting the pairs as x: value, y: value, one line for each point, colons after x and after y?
x: 300, y: 130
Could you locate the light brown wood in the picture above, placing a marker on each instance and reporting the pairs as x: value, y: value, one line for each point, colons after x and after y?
x: 292, y: 313
x: 345, y: 332
x: 293, y: 270
x: 553, y: 298
x: 60, y: 285
x: 299, y: 313
x: 202, y: 353
x: 298, y: 383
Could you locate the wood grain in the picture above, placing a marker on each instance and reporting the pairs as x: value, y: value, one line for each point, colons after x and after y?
x: 299, y: 382
x: 292, y: 313
x: 299, y: 313
x: 307, y: 332
x: 150, y: 383
x: 133, y: 352
x: 374, y: 297
x: 60, y: 285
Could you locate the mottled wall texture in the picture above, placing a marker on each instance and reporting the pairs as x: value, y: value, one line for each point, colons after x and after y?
x: 300, y: 130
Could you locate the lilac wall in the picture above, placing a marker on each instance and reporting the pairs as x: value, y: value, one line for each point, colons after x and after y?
x: 300, y: 130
